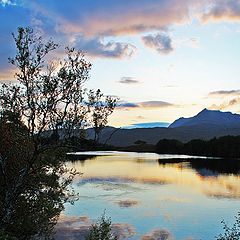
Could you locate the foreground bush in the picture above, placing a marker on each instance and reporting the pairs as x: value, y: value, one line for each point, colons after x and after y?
x: 231, y: 233
x: 101, y: 230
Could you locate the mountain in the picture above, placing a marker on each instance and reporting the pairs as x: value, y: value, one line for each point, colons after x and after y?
x: 209, y: 117
x: 205, y: 125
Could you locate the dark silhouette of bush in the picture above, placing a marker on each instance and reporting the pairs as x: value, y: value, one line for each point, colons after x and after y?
x: 227, y: 146
x: 231, y: 233
x: 169, y: 146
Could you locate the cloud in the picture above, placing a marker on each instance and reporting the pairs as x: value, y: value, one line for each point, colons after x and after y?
x: 146, y: 104
x: 127, y: 105
x: 162, y: 43
x: 155, y: 104
x: 7, y: 74
x: 6, y: 2
x: 114, y: 18
x: 128, y: 80
x: 226, y: 104
x: 140, y: 117
x: 87, y: 24
x: 227, y: 10
x: 191, y: 42
x: 231, y: 98
x: 111, y: 18
x: 224, y: 93
x: 97, y: 48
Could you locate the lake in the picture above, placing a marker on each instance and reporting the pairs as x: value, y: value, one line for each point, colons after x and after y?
x: 152, y: 196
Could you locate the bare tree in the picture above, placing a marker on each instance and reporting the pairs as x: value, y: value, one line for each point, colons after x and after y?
x: 101, y: 107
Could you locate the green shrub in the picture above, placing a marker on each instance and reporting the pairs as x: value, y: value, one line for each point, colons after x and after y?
x: 101, y: 230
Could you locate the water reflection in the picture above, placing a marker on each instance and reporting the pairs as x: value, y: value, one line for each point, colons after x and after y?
x: 206, y: 167
x: 152, y: 192
x: 213, y: 177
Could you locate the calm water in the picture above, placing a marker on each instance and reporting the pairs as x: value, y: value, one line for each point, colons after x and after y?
x: 146, y: 196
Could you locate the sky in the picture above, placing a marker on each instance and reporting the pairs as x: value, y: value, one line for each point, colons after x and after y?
x: 164, y: 59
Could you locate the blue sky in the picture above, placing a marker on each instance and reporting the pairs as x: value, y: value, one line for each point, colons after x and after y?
x: 163, y: 58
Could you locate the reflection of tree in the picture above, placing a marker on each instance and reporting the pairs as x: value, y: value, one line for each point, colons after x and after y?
x: 216, y: 166
x: 208, y: 166
x: 75, y: 157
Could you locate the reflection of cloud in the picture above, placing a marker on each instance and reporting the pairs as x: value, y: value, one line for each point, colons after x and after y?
x: 76, y: 228
x: 114, y: 187
x: 159, y: 234
x: 162, y: 43
x: 123, y: 230
x: 128, y: 80
x: 223, y: 195
x: 127, y: 171
x: 127, y: 203
x: 69, y: 220
x: 167, y: 216
x: 174, y: 199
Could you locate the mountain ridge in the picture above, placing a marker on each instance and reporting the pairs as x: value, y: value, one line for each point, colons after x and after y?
x: 211, y: 117
x: 206, y: 125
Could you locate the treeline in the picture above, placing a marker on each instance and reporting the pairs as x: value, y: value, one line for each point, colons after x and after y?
x: 227, y: 146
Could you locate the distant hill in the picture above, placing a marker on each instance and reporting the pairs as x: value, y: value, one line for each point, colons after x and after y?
x: 209, y: 117
x: 205, y: 125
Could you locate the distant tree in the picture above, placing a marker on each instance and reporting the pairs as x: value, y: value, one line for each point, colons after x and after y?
x: 139, y: 142
x: 196, y: 147
x: 101, y: 230
x: 169, y: 146
x: 38, y: 114
x: 101, y: 107
x: 231, y: 233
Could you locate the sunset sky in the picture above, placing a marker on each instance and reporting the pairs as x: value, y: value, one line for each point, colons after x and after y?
x: 164, y: 59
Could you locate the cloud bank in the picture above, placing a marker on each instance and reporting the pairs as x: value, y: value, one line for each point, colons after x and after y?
x: 87, y: 25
